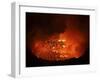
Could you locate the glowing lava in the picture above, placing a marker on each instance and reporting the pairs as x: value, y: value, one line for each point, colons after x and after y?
x: 62, y: 46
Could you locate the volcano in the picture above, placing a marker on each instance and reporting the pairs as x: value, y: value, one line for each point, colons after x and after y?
x: 56, y: 39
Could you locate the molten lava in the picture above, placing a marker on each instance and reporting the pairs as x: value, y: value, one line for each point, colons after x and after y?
x: 62, y: 46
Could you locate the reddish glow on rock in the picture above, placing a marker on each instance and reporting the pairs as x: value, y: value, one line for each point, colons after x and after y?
x: 62, y: 46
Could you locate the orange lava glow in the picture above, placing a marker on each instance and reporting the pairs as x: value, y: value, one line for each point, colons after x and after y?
x: 62, y: 46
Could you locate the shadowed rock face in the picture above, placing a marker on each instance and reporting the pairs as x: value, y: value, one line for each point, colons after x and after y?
x: 57, y: 37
